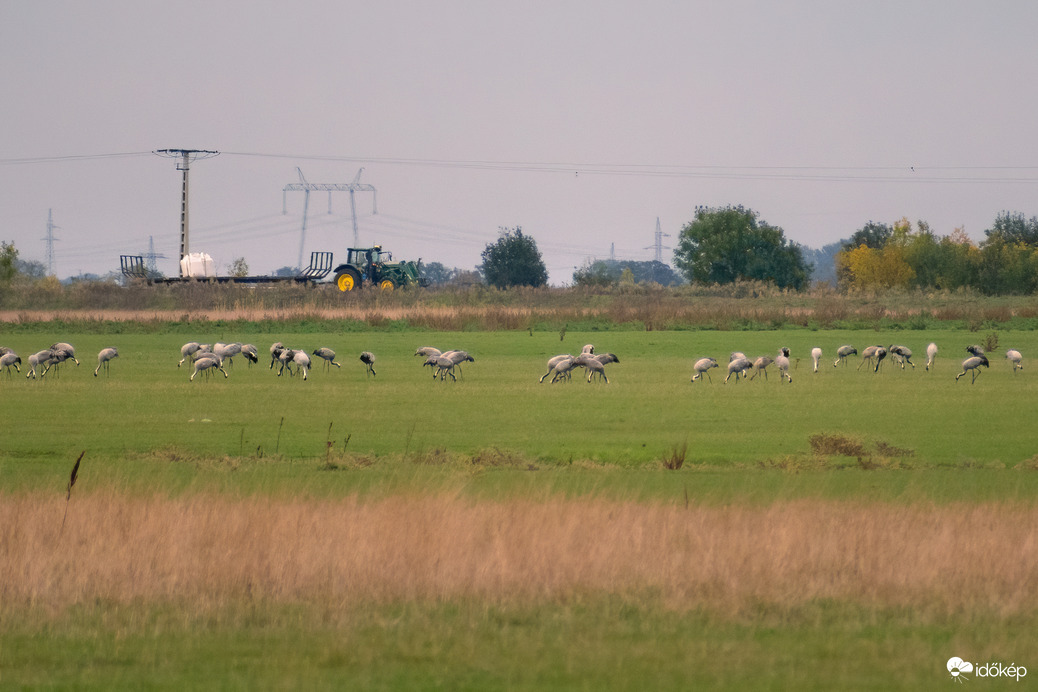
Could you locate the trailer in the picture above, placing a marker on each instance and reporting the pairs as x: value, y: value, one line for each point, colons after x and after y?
x: 132, y: 267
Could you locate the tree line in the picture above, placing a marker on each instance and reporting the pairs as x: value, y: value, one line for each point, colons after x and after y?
x: 729, y: 244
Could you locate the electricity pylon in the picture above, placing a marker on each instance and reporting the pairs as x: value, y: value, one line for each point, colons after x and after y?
x: 658, y: 244
x: 307, y: 188
x: 50, y: 242
x: 184, y: 158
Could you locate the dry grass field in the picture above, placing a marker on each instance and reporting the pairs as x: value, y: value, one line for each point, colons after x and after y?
x: 213, y: 550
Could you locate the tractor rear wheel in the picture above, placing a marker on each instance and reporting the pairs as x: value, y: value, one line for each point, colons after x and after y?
x: 387, y: 285
x: 347, y: 280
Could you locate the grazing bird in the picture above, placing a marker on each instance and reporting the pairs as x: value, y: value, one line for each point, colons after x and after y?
x: 562, y: 369
x: 444, y: 367
x: 458, y: 357
x: 973, y: 363
x: 595, y: 364
x: 737, y: 367
x: 761, y: 366
x: 38, y: 359
x: 368, y: 358
x: 8, y: 360
x: 276, y: 349
x: 975, y: 349
x: 57, y: 357
x: 302, y: 361
x: 588, y: 349
x: 70, y: 353
x: 426, y: 351
x: 1016, y: 358
x: 285, y: 358
x: 329, y: 357
x: 869, y: 353
x: 881, y: 353
x: 227, y: 352
x: 736, y: 355
x: 703, y: 365
x: 104, y: 357
x: 251, y: 353
x: 207, y: 362
x: 843, y: 352
x: 595, y: 367
x: 902, y: 355
x: 782, y: 363
x: 931, y: 355
x: 187, y: 351
x: 816, y: 355
x: 552, y: 362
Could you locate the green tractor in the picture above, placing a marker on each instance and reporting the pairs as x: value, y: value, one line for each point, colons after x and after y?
x: 375, y: 267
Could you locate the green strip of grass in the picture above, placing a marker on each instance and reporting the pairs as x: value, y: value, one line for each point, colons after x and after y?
x: 592, y: 642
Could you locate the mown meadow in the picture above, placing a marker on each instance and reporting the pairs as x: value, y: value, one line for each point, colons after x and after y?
x: 850, y: 529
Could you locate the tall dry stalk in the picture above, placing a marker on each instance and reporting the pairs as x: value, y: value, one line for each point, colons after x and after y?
x: 68, y: 493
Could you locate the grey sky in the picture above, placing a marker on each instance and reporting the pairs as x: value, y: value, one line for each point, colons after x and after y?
x: 582, y: 122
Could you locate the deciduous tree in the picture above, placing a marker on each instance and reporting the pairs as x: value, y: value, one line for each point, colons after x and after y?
x: 725, y: 245
x: 513, y: 261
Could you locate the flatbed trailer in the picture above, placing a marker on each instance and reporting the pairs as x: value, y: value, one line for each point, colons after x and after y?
x: 132, y: 267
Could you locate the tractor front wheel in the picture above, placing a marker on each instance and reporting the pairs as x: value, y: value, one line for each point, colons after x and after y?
x: 387, y: 285
x: 347, y: 280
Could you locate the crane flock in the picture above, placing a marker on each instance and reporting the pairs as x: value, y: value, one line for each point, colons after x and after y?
x: 208, y: 358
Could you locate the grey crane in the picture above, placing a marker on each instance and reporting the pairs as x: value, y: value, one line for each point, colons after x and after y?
x: 561, y: 369
x: 276, y: 349
x: 328, y: 355
x: 975, y: 349
x: 843, y: 352
x: 8, y: 360
x: 458, y: 357
x: 595, y: 367
x: 368, y: 358
x: 426, y: 351
x: 207, y: 362
x: 70, y: 352
x: 701, y: 366
x: 973, y: 364
x: 554, y: 361
x: 760, y: 365
x: 816, y: 355
x: 869, y: 354
x: 38, y: 359
x: 737, y: 367
x: 782, y: 363
x: 187, y: 351
x: 104, y: 358
x: 302, y: 361
x: 901, y: 355
x: 227, y: 352
x: 251, y: 353
x: 931, y: 355
x: 1016, y: 358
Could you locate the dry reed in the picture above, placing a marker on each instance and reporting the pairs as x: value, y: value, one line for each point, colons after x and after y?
x: 213, y: 550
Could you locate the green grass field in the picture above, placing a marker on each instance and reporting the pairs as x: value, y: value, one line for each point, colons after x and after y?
x: 493, y: 442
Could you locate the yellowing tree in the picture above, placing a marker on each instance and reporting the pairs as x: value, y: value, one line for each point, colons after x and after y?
x: 867, y: 268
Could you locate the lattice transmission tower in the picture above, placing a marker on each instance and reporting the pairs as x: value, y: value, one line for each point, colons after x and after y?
x: 308, y: 187
x: 658, y: 245
x: 50, y: 240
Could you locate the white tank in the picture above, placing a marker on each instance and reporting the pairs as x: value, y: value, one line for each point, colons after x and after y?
x: 197, y: 265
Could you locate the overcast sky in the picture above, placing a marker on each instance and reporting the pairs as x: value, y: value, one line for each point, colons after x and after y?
x: 581, y: 122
